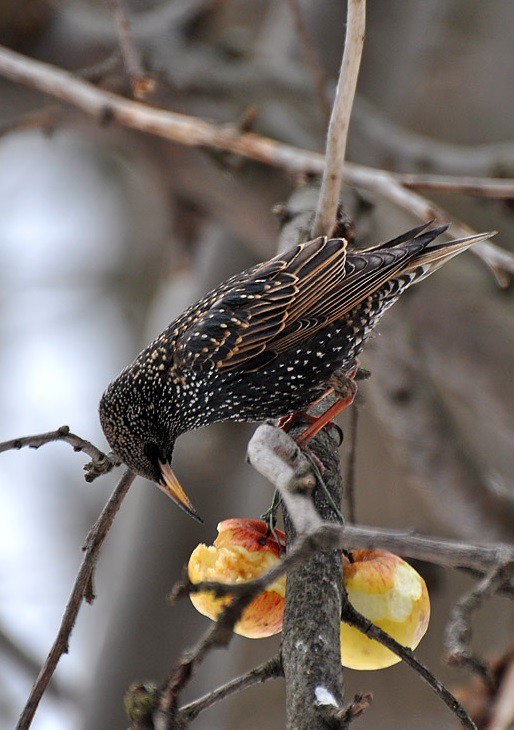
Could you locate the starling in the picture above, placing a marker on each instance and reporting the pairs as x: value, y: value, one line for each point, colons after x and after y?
x: 266, y: 343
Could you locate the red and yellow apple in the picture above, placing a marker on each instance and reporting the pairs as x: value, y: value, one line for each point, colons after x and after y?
x: 392, y: 595
x: 380, y: 585
x: 242, y: 551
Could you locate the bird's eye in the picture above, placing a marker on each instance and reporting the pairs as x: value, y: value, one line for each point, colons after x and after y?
x: 151, y: 451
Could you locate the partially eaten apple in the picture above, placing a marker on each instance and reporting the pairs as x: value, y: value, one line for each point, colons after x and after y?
x: 243, y: 550
x: 380, y: 585
x: 392, y: 595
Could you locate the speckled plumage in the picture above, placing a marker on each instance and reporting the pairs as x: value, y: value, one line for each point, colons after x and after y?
x: 264, y: 343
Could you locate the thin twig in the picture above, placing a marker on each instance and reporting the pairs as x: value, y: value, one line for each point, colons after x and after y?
x: 140, y: 82
x: 94, y: 541
x: 355, y: 708
x: 351, y: 463
x: 495, y: 187
x: 303, y: 549
x: 270, y: 669
x: 326, y: 212
x: 100, y: 463
x: 479, y: 559
x: 315, y: 67
x: 219, y: 635
x: 353, y: 618
x: 458, y: 631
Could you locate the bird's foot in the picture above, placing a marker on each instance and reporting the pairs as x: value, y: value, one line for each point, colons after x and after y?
x: 286, y: 423
x: 346, y: 389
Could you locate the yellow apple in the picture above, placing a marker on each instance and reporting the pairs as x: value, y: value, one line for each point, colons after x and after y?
x: 392, y: 595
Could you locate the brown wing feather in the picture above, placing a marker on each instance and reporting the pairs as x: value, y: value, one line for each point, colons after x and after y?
x: 241, y: 323
x: 273, y: 307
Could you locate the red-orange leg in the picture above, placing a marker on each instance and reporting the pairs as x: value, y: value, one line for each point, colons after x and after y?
x: 325, y: 418
x: 287, y: 422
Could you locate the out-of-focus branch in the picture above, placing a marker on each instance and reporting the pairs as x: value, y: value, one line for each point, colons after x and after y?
x: 332, y: 179
x: 419, y: 418
x: 27, y: 662
x: 481, y: 187
x: 316, y: 70
x: 81, y: 590
x: 194, y: 132
x: 100, y: 463
x: 502, y: 711
x: 458, y: 630
x: 418, y: 151
x: 140, y: 82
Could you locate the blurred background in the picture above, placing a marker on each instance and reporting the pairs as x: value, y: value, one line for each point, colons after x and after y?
x: 106, y: 234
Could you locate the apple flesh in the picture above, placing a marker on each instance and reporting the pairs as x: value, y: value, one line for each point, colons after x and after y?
x: 392, y: 595
x: 242, y: 551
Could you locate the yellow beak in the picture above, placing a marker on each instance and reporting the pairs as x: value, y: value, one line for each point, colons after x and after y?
x: 170, y: 485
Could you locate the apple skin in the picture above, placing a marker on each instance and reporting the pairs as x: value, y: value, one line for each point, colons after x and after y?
x: 380, y: 585
x: 390, y: 593
x: 242, y: 551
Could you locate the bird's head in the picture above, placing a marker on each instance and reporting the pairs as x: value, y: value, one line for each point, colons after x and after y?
x: 136, y: 433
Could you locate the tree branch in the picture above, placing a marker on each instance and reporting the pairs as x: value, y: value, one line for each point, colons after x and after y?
x: 166, y: 714
x: 458, y: 630
x: 318, y: 77
x: 353, y: 618
x: 140, y: 82
x: 332, y: 179
x: 80, y: 590
x: 187, y: 130
x: 268, y: 453
x: 100, y: 463
x: 270, y: 669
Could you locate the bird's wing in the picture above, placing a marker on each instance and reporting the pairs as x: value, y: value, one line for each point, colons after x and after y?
x: 234, y: 326
x: 279, y: 304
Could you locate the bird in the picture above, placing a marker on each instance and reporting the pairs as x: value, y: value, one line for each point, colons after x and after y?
x: 264, y: 344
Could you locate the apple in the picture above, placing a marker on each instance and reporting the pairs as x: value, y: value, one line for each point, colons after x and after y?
x: 392, y: 595
x: 242, y: 551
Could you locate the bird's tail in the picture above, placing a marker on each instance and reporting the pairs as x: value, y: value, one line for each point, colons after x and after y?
x: 434, y: 255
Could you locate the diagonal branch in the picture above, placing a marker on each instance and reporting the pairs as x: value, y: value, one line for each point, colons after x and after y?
x: 80, y: 591
x: 270, y: 669
x: 353, y: 618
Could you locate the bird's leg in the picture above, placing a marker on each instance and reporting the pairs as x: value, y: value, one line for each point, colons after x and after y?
x: 286, y: 423
x: 345, y: 388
